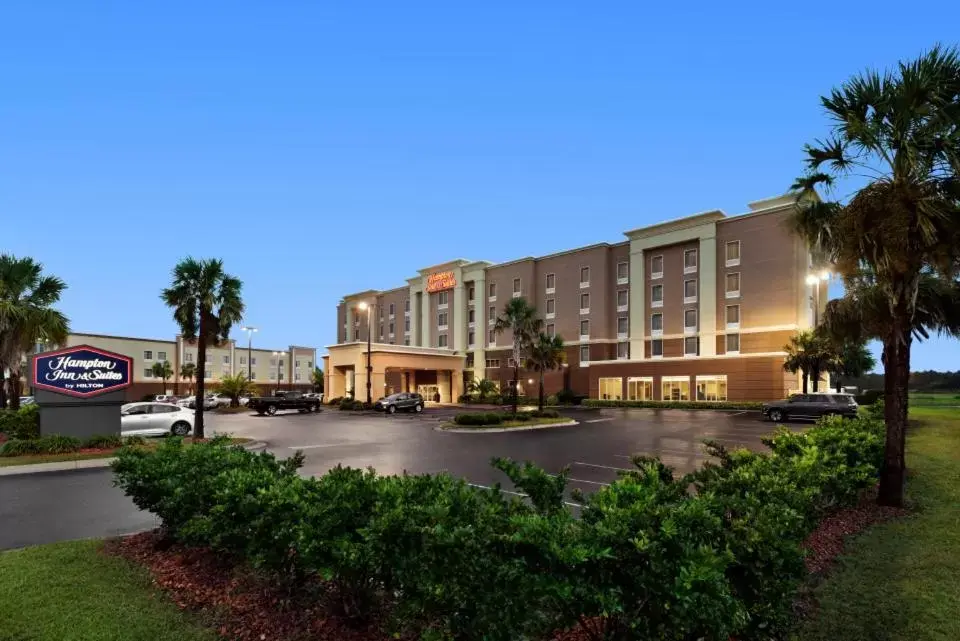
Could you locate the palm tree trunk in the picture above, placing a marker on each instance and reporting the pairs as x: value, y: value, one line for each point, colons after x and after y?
x: 896, y: 369
x: 3, y: 388
x: 201, y: 370
x: 540, y: 400
x: 815, y: 375
x: 14, y: 390
x: 516, y: 385
x: 806, y: 379
x: 836, y: 385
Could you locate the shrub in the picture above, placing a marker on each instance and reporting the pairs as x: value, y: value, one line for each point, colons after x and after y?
x: 552, y: 399
x: 347, y: 404
x: 478, y: 419
x: 58, y: 444
x: 519, y: 417
x: 545, y: 414
x: 683, y: 405
x: 869, y: 397
x: 19, y: 447
x: 103, y: 441
x: 21, y: 424
x: 569, y: 397
x: 335, y: 400
x: 134, y: 440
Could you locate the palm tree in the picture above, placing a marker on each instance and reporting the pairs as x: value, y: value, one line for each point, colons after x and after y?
x: 188, y: 371
x: 896, y: 130
x: 236, y: 386
x: 800, y: 356
x: 206, y: 303
x: 317, y: 379
x: 545, y: 354
x: 853, y: 360
x: 26, y: 317
x: 482, y: 387
x: 519, y: 318
x: 162, y: 370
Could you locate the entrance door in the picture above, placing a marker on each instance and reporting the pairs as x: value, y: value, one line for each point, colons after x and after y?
x: 428, y: 392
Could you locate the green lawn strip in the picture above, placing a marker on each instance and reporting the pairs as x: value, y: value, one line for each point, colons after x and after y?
x: 934, y: 399
x: 899, y: 580
x: 9, y: 461
x: 507, y: 424
x: 72, y: 592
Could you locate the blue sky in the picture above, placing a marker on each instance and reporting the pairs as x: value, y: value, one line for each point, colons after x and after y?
x: 322, y: 148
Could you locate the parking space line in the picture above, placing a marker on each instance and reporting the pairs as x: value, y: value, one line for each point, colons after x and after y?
x: 487, y: 487
x: 598, y: 420
x: 581, y: 480
x: 605, y: 467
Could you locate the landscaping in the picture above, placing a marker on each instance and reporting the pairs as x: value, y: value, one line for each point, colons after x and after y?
x: 482, y: 420
x: 676, y: 405
x: 54, y: 448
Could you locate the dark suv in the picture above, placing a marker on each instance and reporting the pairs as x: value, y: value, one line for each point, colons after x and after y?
x: 811, y: 406
x: 403, y: 402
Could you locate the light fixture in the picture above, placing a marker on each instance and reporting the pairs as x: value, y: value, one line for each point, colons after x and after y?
x: 812, y: 280
x: 363, y: 305
x: 529, y: 381
x: 824, y: 275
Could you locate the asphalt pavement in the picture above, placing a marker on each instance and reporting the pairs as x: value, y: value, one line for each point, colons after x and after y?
x: 42, y: 508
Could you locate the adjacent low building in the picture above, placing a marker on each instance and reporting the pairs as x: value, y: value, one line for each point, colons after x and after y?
x: 697, y: 308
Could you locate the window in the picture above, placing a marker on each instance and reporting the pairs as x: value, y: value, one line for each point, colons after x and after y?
x: 309, y: 364
x: 148, y: 373
x: 381, y: 331
x: 691, y: 346
x: 690, y: 320
x: 253, y: 360
x: 656, y: 324
x: 491, y: 315
x: 733, y: 344
x: 551, y: 308
x: 393, y: 309
x: 733, y: 253
x: 492, y: 290
x: 391, y: 327
x: 356, y: 334
x: 712, y: 388
x: 551, y: 283
x: 493, y: 363
x: 689, y: 261
x: 442, y: 320
x: 188, y: 357
x: 733, y: 317
x: 251, y: 375
x: 243, y: 360
x: 380, y: 311
x: 471, y: 336
x: 584, y: 303
x: 656, y: 267
x: 516, y: 287
x: 492, y: 338
x: 584, y: 353
x: 296, y: 376
x: 656, y: 348
x: 472, y: 316
x: 623, y: 300
x: 689, y: 291
x: 273, y: 362
x: 622, y: 329
x: 226, y: 360
x: 281, y: 362
x: 442, y: 340
x: 656, y: 296
x: 640, y: 388
x: 281, y: 376
x: 406, y: 304
x: 511, y: 363
x: 296, y: 364
x: 611, y: 388
x: 208, y: 374
x: 161, y: 356
x: 623, y: 351
x: 443, y: 299
x: 406, y: 325
x: 147, y: 355
x: 623, y: 273
x: 584, y: 329
x: 551, y: 330
x: 584, y: 277
x: 273, y: 376
x: 675, y: 388
x: 733, y: 285
x: 406, y: 340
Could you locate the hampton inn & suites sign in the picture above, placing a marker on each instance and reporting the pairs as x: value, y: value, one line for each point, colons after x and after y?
x: 82, y: 371
x: 441, y: 281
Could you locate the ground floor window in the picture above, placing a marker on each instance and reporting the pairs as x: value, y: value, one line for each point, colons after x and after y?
x: 611, y: 389
x: 640, y: 388
x: 675, y: 388
x: 712, y: 388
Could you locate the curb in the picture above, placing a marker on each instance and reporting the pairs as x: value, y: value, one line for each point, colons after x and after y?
x: 89, y: 464
x: 498, y: 430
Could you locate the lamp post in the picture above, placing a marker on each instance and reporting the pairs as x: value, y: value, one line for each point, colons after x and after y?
x: 249, y: 329
x: 369, y: 309
x: 279, y: 357
x: 814, y: 281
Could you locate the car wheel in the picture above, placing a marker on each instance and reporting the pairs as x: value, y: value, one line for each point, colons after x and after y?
x: 418, y: 408
x: 271, y: 409
x: 180, y: 428
x: 391, y: 409
x: 259, y: 412
x: 777, y: 415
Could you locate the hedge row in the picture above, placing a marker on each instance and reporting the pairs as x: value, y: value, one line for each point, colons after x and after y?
x: 680, y: 405
x: 434, y: 558
x: 496, y: 418
x: 59, y: 444
x: 21, y: 424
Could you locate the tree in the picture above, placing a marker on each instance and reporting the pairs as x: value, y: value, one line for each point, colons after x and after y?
x: 188, y: 371
x: 317, y: 379
x: 853, y: 360
x: 236, y: 386
x: 520, y: 319
x: 162, y: 370
x: 482, y: 387
x: 206, y: 303
x: 897, y: 132
x: 803, y: 355
x: 27, y: 317
x: 545, y: 354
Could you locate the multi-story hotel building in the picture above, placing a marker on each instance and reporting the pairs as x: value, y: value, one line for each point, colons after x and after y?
x: 692, y: 309
x: 268, y: 369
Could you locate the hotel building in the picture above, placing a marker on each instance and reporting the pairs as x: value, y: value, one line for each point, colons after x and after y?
x: 692, y: 309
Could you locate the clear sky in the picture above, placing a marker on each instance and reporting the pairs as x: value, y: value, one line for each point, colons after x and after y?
x: 322, y: 148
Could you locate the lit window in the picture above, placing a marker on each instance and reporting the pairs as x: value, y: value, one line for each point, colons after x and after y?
x: 656, y: 296
x: 656, y: 348
x: 656, y: 323
x: 622, y: 327
x: 584, y: 277
x: 584, y: 353
x: 551, y: 307
x: 623, y: 300
x: 689, y: 261
x: 584, y: 329
x: 611, y: 388
x: 733, y: 316
x: 623, y: 350
x: 712, y: 388
x: 551, y: 283
x: 656, y: 267
x: 640, y: 388
x: 675, y: 388
x: 733, y: 253
x: 691, y: 346
x: 623, y: 273
x: 551, y: 330
x: 442, y: 340
x: 733, y: 344
x: 689, y: 291
x: 690, y: 320
x: 733, y: 285
x: 584, y: 303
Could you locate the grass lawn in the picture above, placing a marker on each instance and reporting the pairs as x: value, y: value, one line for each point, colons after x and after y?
x: 8, y: 461
x: 934, y: 399
x: 901, y: 580
x: 71, y: 592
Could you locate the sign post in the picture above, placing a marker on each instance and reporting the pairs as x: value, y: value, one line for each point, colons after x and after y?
x: 80, y: 390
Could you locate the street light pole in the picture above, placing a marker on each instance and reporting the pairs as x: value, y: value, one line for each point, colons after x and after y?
x: 369, y: 308
x: 249, y: 330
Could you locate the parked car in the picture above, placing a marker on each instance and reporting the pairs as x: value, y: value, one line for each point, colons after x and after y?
x: 27, y: 400
x: 165, y: 398
x: 288, y: 401
x: 316, y: 395
x: 222, y: 400
x: 191, y: 403
x: 811, y: 406
x: 402, y: 402
x: 155, y: 419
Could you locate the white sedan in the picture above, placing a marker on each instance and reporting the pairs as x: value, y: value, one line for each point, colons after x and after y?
x: 155, y: 419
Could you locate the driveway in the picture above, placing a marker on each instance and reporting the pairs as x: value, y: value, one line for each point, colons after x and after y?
x: 42, y: 508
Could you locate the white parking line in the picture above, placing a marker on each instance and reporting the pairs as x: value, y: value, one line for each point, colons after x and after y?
x: 606, y: 467
x: 581, y: 480
x: 665, y: 450
x: 487, y: 487
x: 313, y: 447
x: 598, y: 420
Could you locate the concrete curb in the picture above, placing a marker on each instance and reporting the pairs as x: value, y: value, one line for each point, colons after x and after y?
x: 89, y: 464
x: 497, y: 430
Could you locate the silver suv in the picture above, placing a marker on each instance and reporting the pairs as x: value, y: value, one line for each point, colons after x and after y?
x: 811, y: 406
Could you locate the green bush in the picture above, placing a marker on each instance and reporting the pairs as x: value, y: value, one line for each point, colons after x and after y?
x: 349, y: 404
x: 869, y: 397
x: 335, y: 400
x: 544, y: 414
x: 478, y: 419
x: 103, y: 441
x: 552, y: 399
x: 682, y: 405
x: 19, y: 447
x: 569, y: 397
x: 23, y: 423
x: 53, y: 444
x: 134, y: 440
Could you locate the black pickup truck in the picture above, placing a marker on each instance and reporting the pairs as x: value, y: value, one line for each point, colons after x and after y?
x: 288, y: 401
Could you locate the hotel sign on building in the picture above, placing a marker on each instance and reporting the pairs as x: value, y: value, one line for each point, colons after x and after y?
x: 441, y: 281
